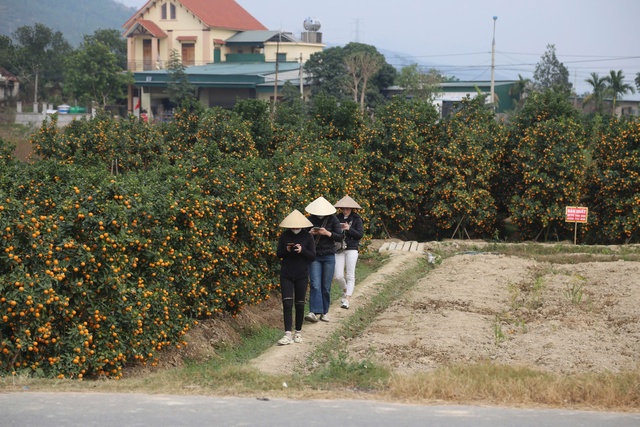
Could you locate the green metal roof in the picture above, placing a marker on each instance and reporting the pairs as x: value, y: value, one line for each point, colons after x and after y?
x: 260, y: 36
x: 219, y: 75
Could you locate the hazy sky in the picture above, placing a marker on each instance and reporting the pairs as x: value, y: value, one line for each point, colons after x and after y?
x: 455, y: 36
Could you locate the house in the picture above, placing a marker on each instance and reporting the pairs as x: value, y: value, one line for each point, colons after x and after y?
x: 227, y: 53
x: 9, y: 85
x: 452, y: 93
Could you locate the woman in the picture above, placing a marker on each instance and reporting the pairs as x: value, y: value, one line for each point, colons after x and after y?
x: 296, y: 250
x: 353, y: 229
x: 326, y: 231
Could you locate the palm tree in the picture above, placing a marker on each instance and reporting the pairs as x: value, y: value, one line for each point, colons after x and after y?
x: 617, y: 86
x: 519, y: 90
x: 599, y: 85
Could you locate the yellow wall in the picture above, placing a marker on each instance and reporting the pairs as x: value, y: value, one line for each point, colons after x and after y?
x: 293, y: 50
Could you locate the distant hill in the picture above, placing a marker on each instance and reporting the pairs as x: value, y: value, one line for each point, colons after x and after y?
x: 73, y: 18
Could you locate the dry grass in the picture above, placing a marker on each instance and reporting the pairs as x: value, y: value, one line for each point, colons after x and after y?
x: 519, y: 386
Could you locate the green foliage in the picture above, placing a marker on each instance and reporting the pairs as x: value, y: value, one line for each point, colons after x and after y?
x: 419, y: 84
x: 331, y: 76
x: 179, y: 89
x: 617, y: 87
x: 39, y: 59
x: 613, y: 197
x: 94, y: 71
x: 396, y: 152
x: 257, y: 116
x: 550, y: 159
x: 551, y: 74
x: 464, y: 165
x: 102, y: 141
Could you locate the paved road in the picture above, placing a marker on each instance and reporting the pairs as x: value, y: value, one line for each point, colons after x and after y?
x: 132, y: 410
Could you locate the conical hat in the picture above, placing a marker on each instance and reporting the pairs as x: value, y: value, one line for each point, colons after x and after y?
x: 320, y: 207
x: 347, y: 202
x: 295, y: 220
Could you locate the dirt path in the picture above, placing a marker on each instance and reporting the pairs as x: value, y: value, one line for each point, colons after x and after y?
x: 284, y: 359
x: 478, y: 307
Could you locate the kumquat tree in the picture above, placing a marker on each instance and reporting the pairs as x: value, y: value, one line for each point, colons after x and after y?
x: 614, y: 194
x: 397, y: 160
x: 463, y: 165
x: 551, y: 160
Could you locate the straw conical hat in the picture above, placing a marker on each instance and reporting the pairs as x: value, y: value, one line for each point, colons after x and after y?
x: 295, y: 220
x: 347, y: 202
x: 320, y: 207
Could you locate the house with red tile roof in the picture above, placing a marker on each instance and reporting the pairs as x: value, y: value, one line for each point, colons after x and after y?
x: 219, y: 43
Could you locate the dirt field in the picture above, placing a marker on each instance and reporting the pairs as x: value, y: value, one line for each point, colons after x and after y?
x: 477, y: 307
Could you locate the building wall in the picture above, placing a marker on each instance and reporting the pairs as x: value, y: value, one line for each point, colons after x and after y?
x: 293, y: 50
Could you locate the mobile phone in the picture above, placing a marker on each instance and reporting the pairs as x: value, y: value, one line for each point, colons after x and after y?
x: 316, y: 228
x: 290, y: 245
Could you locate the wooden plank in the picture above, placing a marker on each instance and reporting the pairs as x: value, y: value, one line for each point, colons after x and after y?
x: 406, y: 246
x: 384, y: 247
x: 413, y: 247
x: 420, y: 247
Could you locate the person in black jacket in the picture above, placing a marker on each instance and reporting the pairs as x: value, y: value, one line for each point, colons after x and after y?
x: 353, y: 229
x: 296, y: 250
x: 326, y: 231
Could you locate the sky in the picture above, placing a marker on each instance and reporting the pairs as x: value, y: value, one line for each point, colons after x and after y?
x: 455, y: 36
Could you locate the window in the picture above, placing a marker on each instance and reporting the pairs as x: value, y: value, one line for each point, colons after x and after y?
x: 172, y: 11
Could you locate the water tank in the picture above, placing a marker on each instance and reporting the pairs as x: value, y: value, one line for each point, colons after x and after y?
x: 311, y: 24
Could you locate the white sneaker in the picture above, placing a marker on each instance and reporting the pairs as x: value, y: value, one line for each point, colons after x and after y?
x: 324, y: 317
x: 297, y: 338
x: 311, y: 317
x: 285, y: 340
x: 345, y: 303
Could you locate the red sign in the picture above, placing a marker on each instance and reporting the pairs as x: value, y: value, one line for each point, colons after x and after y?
x: 576, y: 214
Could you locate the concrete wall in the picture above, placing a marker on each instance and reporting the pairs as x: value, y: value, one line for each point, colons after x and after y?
x: 36, y: 118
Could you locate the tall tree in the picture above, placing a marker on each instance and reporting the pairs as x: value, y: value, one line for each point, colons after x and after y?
x: 40, y: 54
x: 638, y: 81
x: 551, y: 74
x: 114, y: 41
x: 179, y: 88
x: 618, y: 87
x: 361, y: 67
x: 94, y: 71
x: 6, y: 53
x: 331, y: 76
x: 419, y: 84
x: 599, y: 89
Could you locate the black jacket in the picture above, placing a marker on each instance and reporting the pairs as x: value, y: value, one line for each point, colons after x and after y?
x: 325, y: 245
x: 295, y: 265
x: 356, y: 229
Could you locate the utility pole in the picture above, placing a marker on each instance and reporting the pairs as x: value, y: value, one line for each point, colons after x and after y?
x: 493, y: 64
x: 275, y: 82
x: 301, y: 77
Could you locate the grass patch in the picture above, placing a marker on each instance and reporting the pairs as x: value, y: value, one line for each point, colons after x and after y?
x: 331, y: 355
x: 567, y: 253
x: 18, y: 135
x: 511, y: 385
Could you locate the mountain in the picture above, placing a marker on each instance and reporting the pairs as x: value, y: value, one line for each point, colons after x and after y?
x: 73, y: 18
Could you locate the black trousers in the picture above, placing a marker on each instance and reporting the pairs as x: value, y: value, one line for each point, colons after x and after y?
x: 294, y: 292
